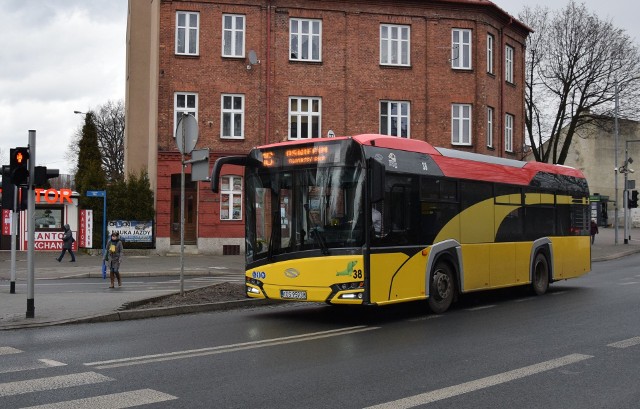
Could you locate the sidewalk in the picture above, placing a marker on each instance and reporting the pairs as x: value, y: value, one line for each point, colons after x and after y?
x: 59, y: 308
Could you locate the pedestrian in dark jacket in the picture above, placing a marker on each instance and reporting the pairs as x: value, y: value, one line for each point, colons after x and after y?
x: 594, y: 230
x: 67, y: 244
x: 113, y: 255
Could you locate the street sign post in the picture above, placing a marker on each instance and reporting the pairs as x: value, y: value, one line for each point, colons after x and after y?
x: 102, y: 194
x: 186, y: 139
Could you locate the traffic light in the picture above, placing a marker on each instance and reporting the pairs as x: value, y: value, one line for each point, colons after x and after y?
x: 19, y: 166
x: 41, y: 175
x: 7, y: 188
x: 633, y: 201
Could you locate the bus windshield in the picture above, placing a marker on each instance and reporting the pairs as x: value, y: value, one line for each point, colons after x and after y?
x: 303, y: 209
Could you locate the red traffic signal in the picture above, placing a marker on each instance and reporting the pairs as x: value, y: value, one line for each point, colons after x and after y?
x: 19, y: 166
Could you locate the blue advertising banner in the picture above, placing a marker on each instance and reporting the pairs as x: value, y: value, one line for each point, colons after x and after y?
x: 132, y: 231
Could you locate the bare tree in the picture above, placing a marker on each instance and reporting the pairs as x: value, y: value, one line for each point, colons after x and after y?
x: 109, y: 121
x: 575, y: 61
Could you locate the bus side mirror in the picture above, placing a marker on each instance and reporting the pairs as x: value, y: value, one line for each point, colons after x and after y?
x: 377, y: 173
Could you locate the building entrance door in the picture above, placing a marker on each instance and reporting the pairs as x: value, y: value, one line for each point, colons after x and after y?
x: 190, y: 210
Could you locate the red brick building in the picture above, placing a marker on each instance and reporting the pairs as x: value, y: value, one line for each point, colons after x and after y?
x: 261, y: 71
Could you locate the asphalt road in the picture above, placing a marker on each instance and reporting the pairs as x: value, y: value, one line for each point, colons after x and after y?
x: 576, y: 347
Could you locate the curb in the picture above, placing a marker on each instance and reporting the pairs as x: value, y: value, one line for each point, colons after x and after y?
x: 127, y: 315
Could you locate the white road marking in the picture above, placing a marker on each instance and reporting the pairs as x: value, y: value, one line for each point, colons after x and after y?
x: 428, y: 317
x: 483, y: 307
x: 630, y: 282
x: 625, y: 343
x: 9, y: 351
x: 51, y: 383
x: 556, y: 292
x: 48, y: 363
x: 51, y: 362
x: 138, y: 360
x: 456, y: 390
x: 112, y: 401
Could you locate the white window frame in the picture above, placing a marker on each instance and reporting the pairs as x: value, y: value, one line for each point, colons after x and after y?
x: 232, y: 113
x: 508, y: 63
x: 297, y: 38
x: 461, y: 50
x: 193, y: 109
x: 231, y: 194
x: 187, y: 29
x: 307, y: 115
x: 490, y: 47
x: 396, y: 112
x: 508, y: 132
x: 395, y: 45
x: 461, y: 115
x: 490, y: 116
x: 233, y: 36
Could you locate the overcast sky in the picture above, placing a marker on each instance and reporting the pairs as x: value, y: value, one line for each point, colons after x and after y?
x: 60, y: 56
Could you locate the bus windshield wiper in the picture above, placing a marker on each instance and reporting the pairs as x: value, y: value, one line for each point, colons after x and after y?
x: 317, y: 233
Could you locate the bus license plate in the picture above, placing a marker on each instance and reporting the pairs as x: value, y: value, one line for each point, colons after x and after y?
x: 293, y: 295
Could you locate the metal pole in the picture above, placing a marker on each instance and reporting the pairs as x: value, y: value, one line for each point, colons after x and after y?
x: 182, y: 165
x: 31, y: 224
x: 104, y: 223
x: 182, y: 224
x: 625, y: 191
x: 14, y: 232
x: 615, y: 223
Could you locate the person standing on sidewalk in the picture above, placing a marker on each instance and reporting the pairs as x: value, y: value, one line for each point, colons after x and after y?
x: 114, y: 255
x: 67, y: 244
x: 594, y: 230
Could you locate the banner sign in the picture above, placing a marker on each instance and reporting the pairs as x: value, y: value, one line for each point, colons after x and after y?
x: 6, y: 222
x: 50, y: 241
x: 132, y: 231
x: 86, y: 228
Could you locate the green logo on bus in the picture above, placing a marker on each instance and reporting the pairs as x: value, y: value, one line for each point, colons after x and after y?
x: 347, y: 271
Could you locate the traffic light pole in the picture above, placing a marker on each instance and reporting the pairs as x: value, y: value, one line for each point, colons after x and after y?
x: 14, y: 233
x: 31, y: 224
x: 625, y: 192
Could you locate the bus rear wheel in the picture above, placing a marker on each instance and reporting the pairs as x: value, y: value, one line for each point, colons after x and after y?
x: 540, y: 274
x: 442, y: 288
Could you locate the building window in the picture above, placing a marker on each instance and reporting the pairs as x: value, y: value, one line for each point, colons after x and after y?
x: 232, y: 116
x: 394, y: 45
x: 232, y: 35
x: 490, y: 42
x: 304, y: 117
x: 305, y: 40
x: 489, y: 127
x: 394, y: 118
x: 461, y: 124
x: 187, y: 33
x: 508, y: 64
x: 230, y: 198
x: 184, y: 103
x: 508, y: 133
x: 461, y: 49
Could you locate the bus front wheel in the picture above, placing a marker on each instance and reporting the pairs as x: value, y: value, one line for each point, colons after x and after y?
x: 540, y: 276
x: 442, y: 288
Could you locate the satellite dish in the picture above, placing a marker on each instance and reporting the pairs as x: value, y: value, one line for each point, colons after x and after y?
x: 253, y: 57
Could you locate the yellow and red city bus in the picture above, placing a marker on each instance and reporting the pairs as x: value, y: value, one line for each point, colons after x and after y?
x: 376, y: 220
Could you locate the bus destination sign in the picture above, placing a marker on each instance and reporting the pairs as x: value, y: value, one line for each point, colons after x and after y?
x: 303, y: 155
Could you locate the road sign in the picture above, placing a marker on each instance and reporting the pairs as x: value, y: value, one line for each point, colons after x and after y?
x: 200, y: 164
x: 96, y: 193
x: 187, y: 134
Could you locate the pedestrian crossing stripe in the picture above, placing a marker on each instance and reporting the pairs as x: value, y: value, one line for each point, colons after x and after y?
x: 113, y: 401
x: 51, y: 383
x: 9, y: 351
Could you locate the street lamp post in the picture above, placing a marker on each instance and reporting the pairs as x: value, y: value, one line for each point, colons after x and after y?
x: 625, y: 194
